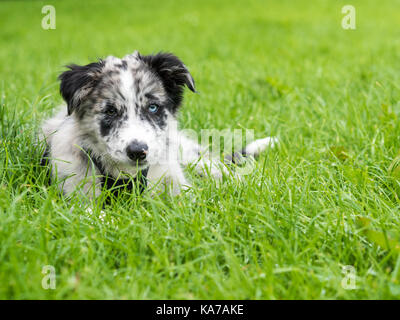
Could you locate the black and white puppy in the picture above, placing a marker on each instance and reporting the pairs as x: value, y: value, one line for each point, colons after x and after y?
x: 120, y: 120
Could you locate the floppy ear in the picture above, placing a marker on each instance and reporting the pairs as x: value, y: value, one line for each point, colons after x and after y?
x: 172, y: 72
x: 77, y: 83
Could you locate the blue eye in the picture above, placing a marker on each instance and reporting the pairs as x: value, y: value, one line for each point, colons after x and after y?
x: 153, y: 108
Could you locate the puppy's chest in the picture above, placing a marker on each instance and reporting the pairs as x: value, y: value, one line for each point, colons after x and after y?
x: 115, y: 184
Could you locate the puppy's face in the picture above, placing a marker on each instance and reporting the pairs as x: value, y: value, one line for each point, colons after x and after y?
x: 125, y: 107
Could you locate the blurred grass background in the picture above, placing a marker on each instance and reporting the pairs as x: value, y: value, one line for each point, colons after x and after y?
x: 327, y: 197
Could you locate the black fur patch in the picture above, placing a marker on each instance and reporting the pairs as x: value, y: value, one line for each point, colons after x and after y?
x: 106, y: 125
x: 78, y: 82
x: 172, y: 73
x: 123, y: 65
x: 110, y: 123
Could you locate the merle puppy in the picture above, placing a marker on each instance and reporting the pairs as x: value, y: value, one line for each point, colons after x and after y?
x: 120, y: 123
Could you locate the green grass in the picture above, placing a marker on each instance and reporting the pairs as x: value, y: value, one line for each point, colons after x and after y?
x: 326, y: 198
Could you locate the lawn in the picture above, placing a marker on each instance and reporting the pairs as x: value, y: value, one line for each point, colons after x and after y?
x: 326, y: 198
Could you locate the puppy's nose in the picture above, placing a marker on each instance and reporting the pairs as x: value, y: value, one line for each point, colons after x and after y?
x: 137, y: 150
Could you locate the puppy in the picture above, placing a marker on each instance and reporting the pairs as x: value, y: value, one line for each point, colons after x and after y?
x: 120, y: 127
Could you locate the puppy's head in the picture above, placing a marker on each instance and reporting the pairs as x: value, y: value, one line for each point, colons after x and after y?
x: 124, y: 107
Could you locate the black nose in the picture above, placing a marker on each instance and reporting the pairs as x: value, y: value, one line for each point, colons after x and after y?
x: 137, y: 150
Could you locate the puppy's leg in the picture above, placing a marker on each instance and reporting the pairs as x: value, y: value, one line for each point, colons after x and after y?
x: 205, y: 163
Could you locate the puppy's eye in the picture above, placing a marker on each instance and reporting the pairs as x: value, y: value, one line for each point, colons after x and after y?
x: 111, y: 111
x: 153, y: 108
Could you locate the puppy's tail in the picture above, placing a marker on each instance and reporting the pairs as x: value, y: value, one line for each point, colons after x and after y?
x: 253, y: 149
